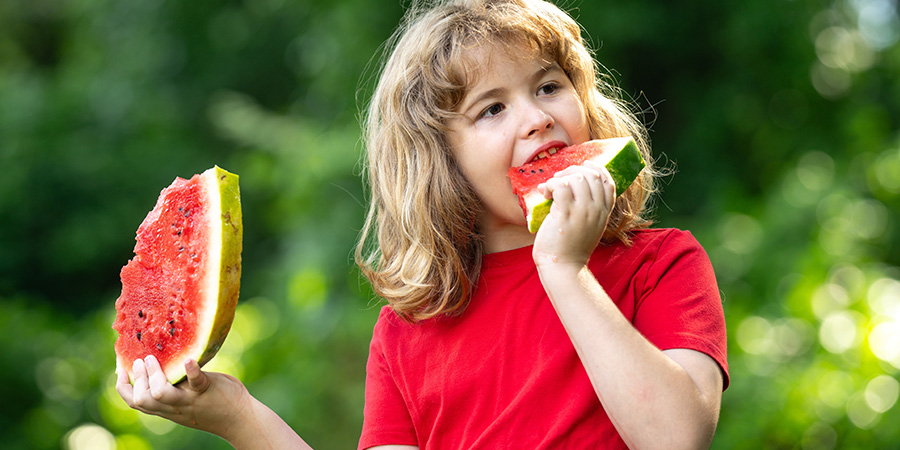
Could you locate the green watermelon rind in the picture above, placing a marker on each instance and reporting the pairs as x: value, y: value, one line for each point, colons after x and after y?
x: 538, y: 208
x: 625, y: 165
x: 623, y: 161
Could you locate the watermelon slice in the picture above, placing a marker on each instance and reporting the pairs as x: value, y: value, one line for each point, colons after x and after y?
x: 180, y: 291
x: 621, y: 157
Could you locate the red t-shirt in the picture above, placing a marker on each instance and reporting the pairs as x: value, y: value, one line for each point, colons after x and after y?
x: 505, y: 374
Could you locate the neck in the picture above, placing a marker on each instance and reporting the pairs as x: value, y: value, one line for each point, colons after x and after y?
x: 505, y: 237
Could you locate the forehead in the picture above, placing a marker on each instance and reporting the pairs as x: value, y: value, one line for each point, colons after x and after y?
x: 477, y: 61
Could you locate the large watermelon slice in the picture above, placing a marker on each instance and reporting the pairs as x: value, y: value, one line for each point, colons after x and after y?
x: 180, y: 291
x: 621, y: 157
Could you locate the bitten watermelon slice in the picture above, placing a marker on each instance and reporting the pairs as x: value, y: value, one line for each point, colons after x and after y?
x: 621, y: 157
x: 180, y: 291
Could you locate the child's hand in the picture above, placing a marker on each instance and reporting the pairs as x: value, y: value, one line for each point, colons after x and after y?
x: 583, y: 197
x: 206, y: 400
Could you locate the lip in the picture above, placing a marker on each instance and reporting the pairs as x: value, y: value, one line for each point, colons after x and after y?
x: 546, y: 146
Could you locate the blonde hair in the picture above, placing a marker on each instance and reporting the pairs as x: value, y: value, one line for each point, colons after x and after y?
x: 423, y: 212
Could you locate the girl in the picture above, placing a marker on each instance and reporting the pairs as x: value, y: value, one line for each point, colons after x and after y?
x: 595, y: 332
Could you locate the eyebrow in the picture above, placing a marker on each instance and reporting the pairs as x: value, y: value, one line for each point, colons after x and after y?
x: 484, y: 95
x: 542, y: 71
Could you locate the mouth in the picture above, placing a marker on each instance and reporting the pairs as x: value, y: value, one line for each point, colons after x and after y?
x: 546, y: 150
x: 545, y: 153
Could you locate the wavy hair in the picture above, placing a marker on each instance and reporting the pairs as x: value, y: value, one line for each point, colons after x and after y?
x: 420, y: 248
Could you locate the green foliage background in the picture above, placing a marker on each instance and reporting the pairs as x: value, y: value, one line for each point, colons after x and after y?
x: 780, y: 118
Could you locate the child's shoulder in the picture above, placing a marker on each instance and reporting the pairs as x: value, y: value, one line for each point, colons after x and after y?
x: 662, y: 237
x: 390, y: 323
x: 651, y: 252
x: 649, y: 245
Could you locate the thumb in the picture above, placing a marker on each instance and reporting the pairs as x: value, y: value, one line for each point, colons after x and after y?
x: 543, y: 190
x: 196, y: 378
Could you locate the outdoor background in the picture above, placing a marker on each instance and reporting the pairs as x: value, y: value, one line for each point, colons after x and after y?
x: 781, y: 119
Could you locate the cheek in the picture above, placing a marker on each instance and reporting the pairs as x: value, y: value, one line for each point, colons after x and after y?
x: 577, y: 121
x: 481, y: 159
x: 584, y: 128
x: 468, y: 165
x: 484, y: 157
x: 488, y: 179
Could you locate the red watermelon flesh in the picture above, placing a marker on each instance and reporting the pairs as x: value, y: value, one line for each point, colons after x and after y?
x: 180, y: 291
x: 620, y: 156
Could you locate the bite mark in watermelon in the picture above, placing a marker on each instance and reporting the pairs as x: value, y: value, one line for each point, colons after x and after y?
x: 180, y: 291
x: 620, y: 156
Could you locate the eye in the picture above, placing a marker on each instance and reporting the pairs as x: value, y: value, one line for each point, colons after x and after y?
x: 548, y: 88
x: 492, y: 110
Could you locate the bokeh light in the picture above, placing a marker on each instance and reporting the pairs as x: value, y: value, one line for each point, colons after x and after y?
x: 89, y: 437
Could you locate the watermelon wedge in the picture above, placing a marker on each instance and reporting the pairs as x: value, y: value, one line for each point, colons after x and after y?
x: 620, y: 156
x: 180, y: 291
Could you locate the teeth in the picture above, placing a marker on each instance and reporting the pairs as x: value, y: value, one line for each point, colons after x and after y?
x: 545, y: 154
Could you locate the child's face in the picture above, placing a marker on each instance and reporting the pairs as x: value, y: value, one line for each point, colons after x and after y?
x: 514, y: 111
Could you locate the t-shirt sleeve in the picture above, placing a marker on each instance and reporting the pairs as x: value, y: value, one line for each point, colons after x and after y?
x: 680, y: 306
x: 386, y: 419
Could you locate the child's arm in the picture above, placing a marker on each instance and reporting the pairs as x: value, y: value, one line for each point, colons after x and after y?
x: 655, y: 399
x: 213, y: 402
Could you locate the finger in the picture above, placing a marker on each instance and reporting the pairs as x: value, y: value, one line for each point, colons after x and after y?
x: 609, y: 187
x: 559, y: 190
x: 594, y: 173
x: 594, y: 165
x: 598, y: 186
x: 160, y: 388
x: 197, y: 380
x: 581, y: 186
x: 584, y: 169
x: 123, y: 386
x: 139, y: 371
x: 141, y: 399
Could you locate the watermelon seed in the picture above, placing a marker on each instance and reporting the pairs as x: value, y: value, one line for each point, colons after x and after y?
x: 172, y: 322
x: 521, y: 170
x: 172, y: 331
x: 180, y: 249
x: 141, y: 314
x: 158, y: 346
x: 187, y: 213
x: 139, y: 335
x: 532, y: 171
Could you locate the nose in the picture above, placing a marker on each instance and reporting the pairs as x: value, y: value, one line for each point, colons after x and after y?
x: 536, y: 120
